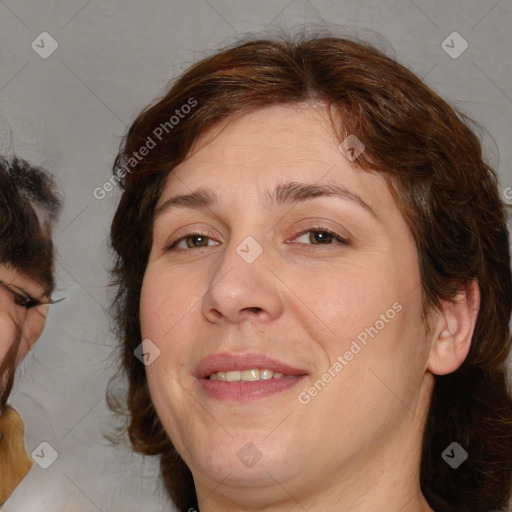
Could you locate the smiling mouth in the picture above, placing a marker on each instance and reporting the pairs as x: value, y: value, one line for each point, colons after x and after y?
x: 251, y: 375
x: 247, y: 385
x: 243, y: 377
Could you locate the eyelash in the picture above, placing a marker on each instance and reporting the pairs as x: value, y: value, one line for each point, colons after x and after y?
x: 317, y: 229
x: 25, y: 302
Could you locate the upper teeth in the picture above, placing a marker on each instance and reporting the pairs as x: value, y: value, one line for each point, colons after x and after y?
x: 246, y: 375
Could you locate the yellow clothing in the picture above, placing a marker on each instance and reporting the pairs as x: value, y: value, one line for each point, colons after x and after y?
x: 14, y: 461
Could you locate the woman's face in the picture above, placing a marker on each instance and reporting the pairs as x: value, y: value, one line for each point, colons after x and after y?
x: 15, y: 319
x: 265, y: 286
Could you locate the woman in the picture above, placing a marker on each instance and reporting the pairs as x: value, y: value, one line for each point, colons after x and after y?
x: 29, y: 205
x: 312, y: 263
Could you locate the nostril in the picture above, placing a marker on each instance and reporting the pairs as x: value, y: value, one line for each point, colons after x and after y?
x: 253, y: 310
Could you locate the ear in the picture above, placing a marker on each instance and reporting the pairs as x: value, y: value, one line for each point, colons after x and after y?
x: 451, y: 336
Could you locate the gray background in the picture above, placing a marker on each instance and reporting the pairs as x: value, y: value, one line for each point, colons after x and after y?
x: 68, y: 112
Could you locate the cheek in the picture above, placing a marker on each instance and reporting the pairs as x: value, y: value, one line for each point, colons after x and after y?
x: 8, y: 335
x: 157, y: 306
x: 31, y: 331
x: 341, y: 302
x: 22, y: 352
x: 34, y: 323
x: 168, y: 313
x: 369, y: 309
x: 168, y: 302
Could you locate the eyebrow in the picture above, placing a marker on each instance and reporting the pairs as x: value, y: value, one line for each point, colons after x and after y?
x: 283, y: 193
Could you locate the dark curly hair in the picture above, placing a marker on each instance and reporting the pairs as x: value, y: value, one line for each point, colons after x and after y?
x: 432, y: 161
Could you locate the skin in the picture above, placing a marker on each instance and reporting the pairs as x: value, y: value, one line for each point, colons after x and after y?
x: 31, y: 321
x: 356, y: 445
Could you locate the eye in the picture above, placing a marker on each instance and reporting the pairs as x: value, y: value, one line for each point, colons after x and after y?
x: 32, y: 303
x: 200, y: 238
x: 323, y: 236
x: 19, y: 300
x: 25, y: 301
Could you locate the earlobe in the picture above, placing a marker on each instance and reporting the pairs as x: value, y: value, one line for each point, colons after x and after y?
x: 452, y: 334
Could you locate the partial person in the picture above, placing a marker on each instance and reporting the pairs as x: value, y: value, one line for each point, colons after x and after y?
x: 29, y: 207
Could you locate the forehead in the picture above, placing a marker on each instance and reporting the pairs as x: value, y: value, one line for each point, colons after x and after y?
x: 284, y: 128
x: 249, y: 155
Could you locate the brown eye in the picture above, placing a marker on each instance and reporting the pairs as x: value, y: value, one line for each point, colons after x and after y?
x: 191, y: 241
x: 199, y: 238
x: 322, y: 236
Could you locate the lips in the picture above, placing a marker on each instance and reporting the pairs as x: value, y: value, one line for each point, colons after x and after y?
x: 225, y: 361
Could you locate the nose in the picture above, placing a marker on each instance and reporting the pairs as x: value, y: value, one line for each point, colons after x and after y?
x: 241, y: 289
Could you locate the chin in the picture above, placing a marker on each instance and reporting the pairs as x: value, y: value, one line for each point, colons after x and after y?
x: 234, y: 473
x: 247, y: 462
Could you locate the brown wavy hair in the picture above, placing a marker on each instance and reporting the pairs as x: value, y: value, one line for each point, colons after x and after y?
x: 432, y: 161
